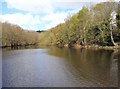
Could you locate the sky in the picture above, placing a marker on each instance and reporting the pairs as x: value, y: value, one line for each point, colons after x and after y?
x: 40, y: 14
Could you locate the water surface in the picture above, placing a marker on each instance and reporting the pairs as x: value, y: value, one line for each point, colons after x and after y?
x: 59, y: 67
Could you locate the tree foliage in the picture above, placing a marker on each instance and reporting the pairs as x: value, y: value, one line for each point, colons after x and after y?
x: 88, y: 26
x: 14, y: 35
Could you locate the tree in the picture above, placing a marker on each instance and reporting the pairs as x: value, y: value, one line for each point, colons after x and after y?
x: 118, y: 16
x: 88, y: 26
x: 14, y: 35
x: 84, y: 17
x: 102, y: 12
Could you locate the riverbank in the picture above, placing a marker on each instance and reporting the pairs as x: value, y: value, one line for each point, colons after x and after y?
x: 77, y: 46
x: 74, y: 46
x: 15, y: 46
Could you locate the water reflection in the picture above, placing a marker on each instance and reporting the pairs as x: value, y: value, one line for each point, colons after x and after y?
x: 60, y: 67
x: 98, y: 66
x: 20, y: 47
x: 0, y: 68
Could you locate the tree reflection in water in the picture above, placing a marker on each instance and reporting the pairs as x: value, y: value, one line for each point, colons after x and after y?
x: 94, y: 65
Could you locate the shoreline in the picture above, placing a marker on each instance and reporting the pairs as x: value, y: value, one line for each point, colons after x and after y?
x: 76, y: 46
x: 18, y: 46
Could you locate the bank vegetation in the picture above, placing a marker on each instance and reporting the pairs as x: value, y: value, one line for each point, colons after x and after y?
x: 13, y: 35
x: 97, y: 25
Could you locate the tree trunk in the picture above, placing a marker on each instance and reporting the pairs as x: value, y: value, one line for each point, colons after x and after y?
x: 111, y: 36
x: 84, y: 34
x: 84, y: 41
x: 84, y: 37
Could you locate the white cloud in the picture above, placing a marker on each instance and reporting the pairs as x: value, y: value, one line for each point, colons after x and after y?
x: 21, y: 19
x: 54, y: 19
x: 49, y: 8
x: 44, y: 6
x: 32, y: 6
x: 28, y: 21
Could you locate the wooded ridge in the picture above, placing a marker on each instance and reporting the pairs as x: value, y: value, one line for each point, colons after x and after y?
x: 98, y: 25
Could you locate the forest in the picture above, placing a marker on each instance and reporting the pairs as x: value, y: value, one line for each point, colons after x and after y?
x: 13, y: 35
x: 96, y: 25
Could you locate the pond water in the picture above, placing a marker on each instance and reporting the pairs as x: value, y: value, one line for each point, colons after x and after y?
x: 59, y: 67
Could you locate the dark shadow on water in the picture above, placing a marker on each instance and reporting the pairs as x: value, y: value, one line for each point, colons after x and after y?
x: 23, y: 47
x: 95, y: 65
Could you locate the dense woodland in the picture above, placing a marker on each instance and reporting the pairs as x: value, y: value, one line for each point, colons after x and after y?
x: 90, y: 26
x: 93, y: 25
x: 14, y: 35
